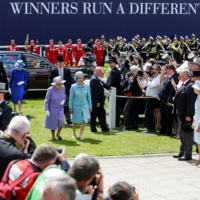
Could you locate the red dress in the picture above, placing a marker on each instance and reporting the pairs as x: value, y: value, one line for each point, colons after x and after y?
x: 51, y: 53
x: 98, y: 51
x: 78, y: 52
x: 69, y: 51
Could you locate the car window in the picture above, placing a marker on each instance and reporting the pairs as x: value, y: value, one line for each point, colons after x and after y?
x: 35, y: 62
x: 9, y: 60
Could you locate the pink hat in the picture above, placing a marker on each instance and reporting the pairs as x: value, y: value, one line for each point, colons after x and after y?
x: 32, y: 41
x: 60, y: 42
x: 79, y: 40
x: 12, y: 40
x: 51, y: 40
x: 97, y: 40
x: 70, y: 40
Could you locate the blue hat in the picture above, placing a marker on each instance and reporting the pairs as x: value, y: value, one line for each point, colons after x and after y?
x: 19, y: 63
x: 197, y: 85
x: 77, y: 74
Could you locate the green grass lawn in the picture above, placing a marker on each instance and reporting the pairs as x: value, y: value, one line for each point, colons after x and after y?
x: 116, y: 142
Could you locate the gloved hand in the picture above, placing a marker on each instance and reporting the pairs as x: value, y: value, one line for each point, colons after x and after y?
x: 47, y: 113
x: 9, y: 90
x: 62, y: 102
x: 20, y: 83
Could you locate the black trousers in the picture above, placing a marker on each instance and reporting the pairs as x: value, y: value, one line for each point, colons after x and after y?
x: 101, y: 114
x: 151, y: 104
x: 129, y: 118
x: 166, y: 118
x: 66, y: 109
x: 103, y: 60
x: 186, y: 141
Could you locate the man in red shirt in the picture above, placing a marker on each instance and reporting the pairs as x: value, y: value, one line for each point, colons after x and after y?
x: 33, y: 48
x: 78, y: 51
x: 51, y: 52
x: 13, y: 47
x: 60, y: 51
x: 69, y: 51
x: 98, y: 51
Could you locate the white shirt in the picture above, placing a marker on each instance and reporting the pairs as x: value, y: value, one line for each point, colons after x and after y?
x: 81, y: 62
x: 153, y: 87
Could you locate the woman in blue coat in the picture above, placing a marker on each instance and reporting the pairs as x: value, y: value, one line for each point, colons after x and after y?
x: 18, y: 78
x: 79, y: 103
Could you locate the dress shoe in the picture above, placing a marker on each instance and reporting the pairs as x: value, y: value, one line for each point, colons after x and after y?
x: 69, y: 122
x: 147, y: 131
x: 177, y: 156
x: 183, y: 158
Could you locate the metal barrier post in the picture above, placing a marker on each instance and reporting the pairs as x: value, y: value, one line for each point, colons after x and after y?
x: 112, y: 107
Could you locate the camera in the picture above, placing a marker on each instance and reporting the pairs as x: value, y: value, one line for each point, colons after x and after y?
x: 59, y: 150
x: 129, y: 74
x: 141, y: 73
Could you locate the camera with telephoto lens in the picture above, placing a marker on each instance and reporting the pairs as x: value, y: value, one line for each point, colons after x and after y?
x: 59, y: 150
x: 141, y: 73
x: 129, y: 74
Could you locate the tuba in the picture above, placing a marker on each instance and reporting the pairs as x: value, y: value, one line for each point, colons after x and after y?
x: 176, y: 46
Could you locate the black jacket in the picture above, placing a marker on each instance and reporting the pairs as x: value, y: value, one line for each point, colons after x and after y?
x: 97, y: 90
x: 67, y: 77
x: 167, y: 92
x: 133, y: 87
x: 3, y: 77
x: 10, y: 152
x: 125, y: 68
x: 6, y: 115
x: 114, y: 80
x: 185, y: 101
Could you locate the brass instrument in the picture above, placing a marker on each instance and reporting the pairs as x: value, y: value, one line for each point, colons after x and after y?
x: 188, y: 48
x: 176, y: 46
x: 105, y: 45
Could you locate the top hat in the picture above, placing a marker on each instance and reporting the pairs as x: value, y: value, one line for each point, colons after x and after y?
x: 87, y: 49
x: 123, y: 54
x: 186, y: 127
x: 197, y: 85
x: 2, y: 88
x: 195, y: 73
x: 112, y: 59
x: 196, y: 62
x: 115, y: 52
x: 60, y: 59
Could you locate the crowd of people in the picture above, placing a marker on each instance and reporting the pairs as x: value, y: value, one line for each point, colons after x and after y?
x: 43, y: 172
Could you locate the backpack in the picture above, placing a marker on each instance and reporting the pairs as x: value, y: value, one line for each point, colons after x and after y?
x: 6, y: 188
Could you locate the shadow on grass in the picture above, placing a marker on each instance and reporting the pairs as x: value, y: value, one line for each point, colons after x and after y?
x: 89, y: 140
x: 66, y: 143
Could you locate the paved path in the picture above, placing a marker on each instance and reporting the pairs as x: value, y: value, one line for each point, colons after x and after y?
x: 156, y: 177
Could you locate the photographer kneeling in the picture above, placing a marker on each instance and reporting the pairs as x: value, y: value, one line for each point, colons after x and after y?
x: 132, y: 88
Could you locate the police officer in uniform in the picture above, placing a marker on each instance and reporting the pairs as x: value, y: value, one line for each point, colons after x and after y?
x: 90, y: 43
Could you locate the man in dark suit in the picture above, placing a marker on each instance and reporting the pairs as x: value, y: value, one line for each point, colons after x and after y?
x: 5, y: 110
x: 185, y: 100
x: 65, y: 73
x: 3, y: 76
x: 97, y: 94
x: 124, y: 66
x: 166, y: 95
x: 114, y: 81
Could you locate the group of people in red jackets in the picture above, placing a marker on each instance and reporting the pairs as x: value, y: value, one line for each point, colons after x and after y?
x: 68, y: 51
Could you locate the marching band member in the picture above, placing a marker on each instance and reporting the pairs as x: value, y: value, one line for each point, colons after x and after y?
x: 125, y: 46
x: 51, y: 52
x: 69, y: 50
x: 151, y: 48
x: 193, y: 45
x: 105, y: 45
x: 143, y: 47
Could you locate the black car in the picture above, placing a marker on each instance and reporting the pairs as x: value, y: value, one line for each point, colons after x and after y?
x: 37, y: 67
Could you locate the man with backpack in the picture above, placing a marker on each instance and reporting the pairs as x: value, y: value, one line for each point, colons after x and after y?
x: 20, y: 175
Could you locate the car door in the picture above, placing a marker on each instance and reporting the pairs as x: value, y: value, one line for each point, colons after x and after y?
x: 38, y: 71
